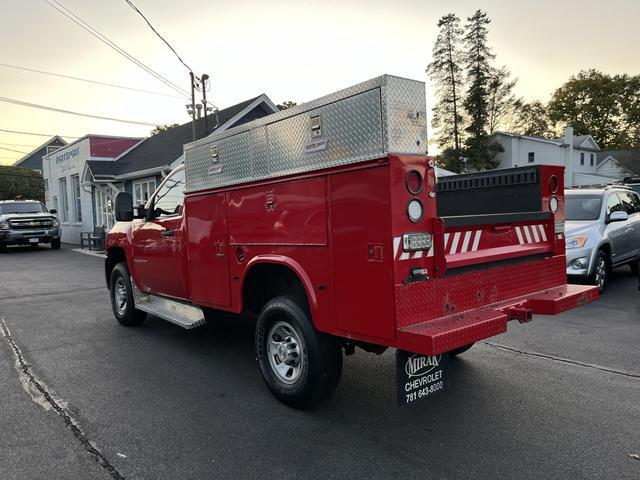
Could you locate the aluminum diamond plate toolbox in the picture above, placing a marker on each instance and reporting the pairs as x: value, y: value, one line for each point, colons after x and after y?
x: 363, y: 122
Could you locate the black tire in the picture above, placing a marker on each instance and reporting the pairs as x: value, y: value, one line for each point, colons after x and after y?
x: 55, y: 244
x: 601, y: 271
x: 634, y: 267
x: 3, y: 248
x: 319, y: 355
x: 120, y: 289
x: 458, y: 351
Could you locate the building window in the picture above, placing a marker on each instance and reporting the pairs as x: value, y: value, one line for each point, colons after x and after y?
x: 51, y: 149
x: 581, y: 158
x: 532, y: 157
x: 142, y: 190
x: 64, y: 200
x: 104, y: 214
x: 75, y: 184
x: 591, y: 159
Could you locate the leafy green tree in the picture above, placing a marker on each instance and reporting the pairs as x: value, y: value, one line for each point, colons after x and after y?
x: 446, y: 73
x: 286, y: 105
x: 605, y: 106
x: 532, y: 118
x: 163, y: 128
x: 18, y: 183
x: 478, y: 56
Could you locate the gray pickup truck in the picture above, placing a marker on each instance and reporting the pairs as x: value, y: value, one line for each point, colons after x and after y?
x: 28, y: 222
x: 602, y: 231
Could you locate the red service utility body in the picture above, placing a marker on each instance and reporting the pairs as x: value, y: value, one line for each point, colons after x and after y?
x: 334, y: 205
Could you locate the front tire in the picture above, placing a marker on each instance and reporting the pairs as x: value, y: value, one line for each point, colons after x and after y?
x: 55, y: 244
x: 122, y: 301
x: 601, y: 269
x: 300, y: 366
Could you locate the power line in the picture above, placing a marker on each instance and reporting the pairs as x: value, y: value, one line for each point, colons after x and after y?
x: 12, y: 150
x: 36, y: 134
x: 130, y: 3
x: 104, y: 39
x: 88, y: 81
x: 18, y: 145
x: 79, y: 114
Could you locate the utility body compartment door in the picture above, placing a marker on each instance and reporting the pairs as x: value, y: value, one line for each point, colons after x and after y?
x: 208, y: 251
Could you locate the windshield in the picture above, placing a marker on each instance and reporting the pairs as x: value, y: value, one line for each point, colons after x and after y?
x: 582, y: 207
x: 22, y: 207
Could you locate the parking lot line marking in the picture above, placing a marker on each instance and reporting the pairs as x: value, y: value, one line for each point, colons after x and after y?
x: 35, y: 386
x: 562, y: 360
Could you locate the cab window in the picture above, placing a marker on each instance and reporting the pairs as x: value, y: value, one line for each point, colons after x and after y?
x: 630, y: 202
x: 170, y: 197
x: 613, y: 204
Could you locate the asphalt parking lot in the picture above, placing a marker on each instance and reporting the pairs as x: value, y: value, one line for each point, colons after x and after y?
x: 82, y: 397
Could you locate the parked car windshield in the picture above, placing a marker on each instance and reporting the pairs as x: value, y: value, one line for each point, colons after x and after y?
x: 582, y: 207
x: 21, y: 207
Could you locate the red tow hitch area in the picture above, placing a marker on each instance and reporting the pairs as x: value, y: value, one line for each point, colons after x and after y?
x: 497, y: 254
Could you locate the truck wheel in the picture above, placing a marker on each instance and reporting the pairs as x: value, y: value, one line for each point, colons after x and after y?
x: 634, y: 267
x: 55, y: 244
x: 460, y: 350
x: 300, y: 365
x: 3, y: 247
x: 121, y: 295
x: 601, y: 268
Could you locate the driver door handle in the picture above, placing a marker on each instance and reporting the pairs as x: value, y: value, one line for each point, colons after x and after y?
x: 167, y: 233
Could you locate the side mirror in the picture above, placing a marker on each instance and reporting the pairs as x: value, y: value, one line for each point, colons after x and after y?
x: 124, y: 207
x: 53, y: 211
x: 618, y: 217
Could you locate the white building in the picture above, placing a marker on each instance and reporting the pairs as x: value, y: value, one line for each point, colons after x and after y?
x: 578, y: 154
x: 64, y: 191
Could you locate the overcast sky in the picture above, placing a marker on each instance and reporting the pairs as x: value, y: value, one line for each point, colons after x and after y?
x: 290, y: 50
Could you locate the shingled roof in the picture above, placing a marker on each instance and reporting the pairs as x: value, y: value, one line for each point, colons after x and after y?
x: 161, y: 150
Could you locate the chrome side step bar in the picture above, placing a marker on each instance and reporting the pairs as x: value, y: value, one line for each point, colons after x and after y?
x: 182, y: 314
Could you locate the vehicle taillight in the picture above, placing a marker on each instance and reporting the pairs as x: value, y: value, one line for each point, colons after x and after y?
x: 413, y: 181
x: 415, y: 210
x: 553, y: 184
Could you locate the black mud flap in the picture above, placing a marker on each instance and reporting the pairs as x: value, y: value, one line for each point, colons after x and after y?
x: 419, y: 377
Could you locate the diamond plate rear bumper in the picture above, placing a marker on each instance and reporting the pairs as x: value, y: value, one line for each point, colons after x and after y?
x: 457, y: 330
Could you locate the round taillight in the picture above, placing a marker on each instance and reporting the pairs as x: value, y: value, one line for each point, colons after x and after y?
x: 414, y: 210
x: 553, y: 184
x: 413, y: 181
x: 553, y: 204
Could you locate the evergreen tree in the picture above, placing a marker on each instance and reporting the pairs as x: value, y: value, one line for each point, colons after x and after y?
x: 477, y: 59
x: 502, y: 104
x: 446, y: 73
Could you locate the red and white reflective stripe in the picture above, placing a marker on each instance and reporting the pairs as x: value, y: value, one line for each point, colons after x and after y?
x: 467, y: 241
x: 531, y: 234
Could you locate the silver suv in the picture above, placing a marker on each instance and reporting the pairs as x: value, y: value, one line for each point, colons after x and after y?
x: 602, y: 231
x: 27, y: 222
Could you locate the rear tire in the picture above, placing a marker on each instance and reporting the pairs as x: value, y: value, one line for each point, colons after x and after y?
x: 55, y: 244
x: 458, y: 351
x: 634, y: 267
x: 300, y: 366
x: 122, y: 301
x: 601, y: 270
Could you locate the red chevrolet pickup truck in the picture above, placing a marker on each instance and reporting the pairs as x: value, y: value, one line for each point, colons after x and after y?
x: 327, y: 221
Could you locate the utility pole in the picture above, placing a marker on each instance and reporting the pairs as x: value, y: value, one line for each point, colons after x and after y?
x: 193, y: 106
x: 205, y: 77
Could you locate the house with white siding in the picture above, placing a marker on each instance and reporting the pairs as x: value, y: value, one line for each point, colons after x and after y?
x: 577, y: 153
